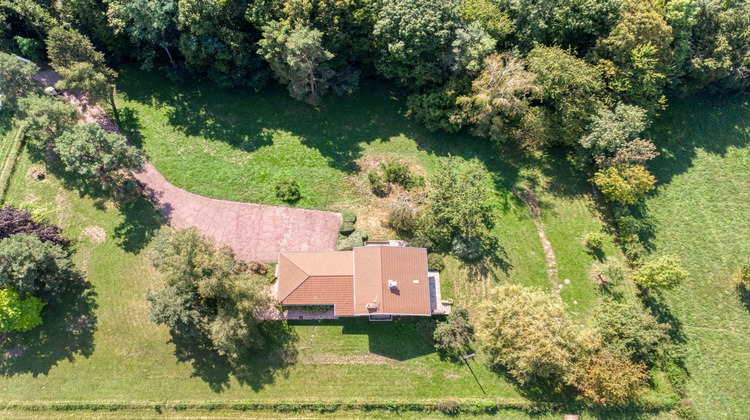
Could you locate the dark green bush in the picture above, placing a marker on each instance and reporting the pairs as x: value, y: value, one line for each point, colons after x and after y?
x: 347, y: 228
x: 455, y: 335
x: 435, y: 262
x: 468, y: 249
x: 288, y: 190
x: 420, y: 241
x: 349, y: 216
x: 378, y: 186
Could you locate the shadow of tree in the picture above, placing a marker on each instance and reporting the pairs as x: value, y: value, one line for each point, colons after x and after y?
x: 67, y: 331
x: 139, y: 225
x: 744, y: 294
x: 256, y: 369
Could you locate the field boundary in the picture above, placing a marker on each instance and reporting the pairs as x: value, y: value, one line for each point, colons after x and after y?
x: 448, y: 406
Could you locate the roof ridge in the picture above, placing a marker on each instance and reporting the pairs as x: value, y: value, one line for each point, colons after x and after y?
x: 300, y: 283
x: 382, y: 286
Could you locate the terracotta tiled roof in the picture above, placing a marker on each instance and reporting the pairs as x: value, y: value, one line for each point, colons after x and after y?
x: 350, y: 280
x: 373, y: 268
x: 317, y: 278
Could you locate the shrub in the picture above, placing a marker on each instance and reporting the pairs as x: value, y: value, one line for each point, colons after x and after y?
x: 420, y: 241
x: 398, y: 173
x: 41, y: 269
x: 468, y: 249
x: 205, y: 297
x: 359, y: 233
x: 613, y: 270
x: 30, y: 48
x: 456, y: 334
x: 378, y: 186
x: 14, y: 220
x: 742, y: 275
x: 404, y: 216
x: 624, y: 184
x: 349, y: 216
x: 257, y: 267
x: 662, y: 273
x: 288, y: 190
x: 346, y: 228
x: 528, y: 332
x: 594, y: 240
x: 435, y: 262
x: 347, y: 244
x: 612, y: 380
x: 634, y: 252
x: 627, y: 328
x: 18, y: 313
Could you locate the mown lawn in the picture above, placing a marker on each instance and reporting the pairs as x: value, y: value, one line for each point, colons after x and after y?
x: 701, y: 212
x: 100, y: 346
x: 237, y: 145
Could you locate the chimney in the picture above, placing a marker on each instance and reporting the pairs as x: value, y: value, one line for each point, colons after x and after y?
x: 392, y: 284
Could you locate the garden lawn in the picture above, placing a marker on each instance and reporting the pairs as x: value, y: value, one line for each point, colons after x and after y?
x: 701, y: 212
x: 100, y: 345
x: 237, y: 145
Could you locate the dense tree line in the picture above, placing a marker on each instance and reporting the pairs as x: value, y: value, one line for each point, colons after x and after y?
x: 589, y: 75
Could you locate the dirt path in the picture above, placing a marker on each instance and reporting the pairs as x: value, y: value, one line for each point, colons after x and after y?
x: 529, y: 198
x: 253, y: 231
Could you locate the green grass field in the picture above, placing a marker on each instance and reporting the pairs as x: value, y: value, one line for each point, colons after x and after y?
x: 701, y: 212
x: 99, y: 344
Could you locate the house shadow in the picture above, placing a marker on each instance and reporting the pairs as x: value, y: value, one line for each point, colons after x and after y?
x: 256, y: 368
x: 402, y: 339
x: 66, y: 333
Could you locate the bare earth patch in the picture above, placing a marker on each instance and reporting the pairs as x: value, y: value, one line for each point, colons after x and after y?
x: 16, y: 351
x: 96, y: 234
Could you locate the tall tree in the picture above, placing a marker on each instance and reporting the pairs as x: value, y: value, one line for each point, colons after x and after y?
x: 46, y: 118
x: 30, y: 265
x: 571, y: 89
x: 90, y: 151
x: 460, y: 200
x: 153, y: 25
x: 528, y: 332
x: 15, y: 79
x: 217, y: 41
x: 412, y: 36
x: 297, y: 58
x: 81, y: 66
x: 638, y: 55
x: 613, y: 136
x: 207, y: 293
x: 499, y: 97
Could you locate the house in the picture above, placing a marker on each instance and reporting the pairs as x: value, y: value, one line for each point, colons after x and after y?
x: 378, y: 281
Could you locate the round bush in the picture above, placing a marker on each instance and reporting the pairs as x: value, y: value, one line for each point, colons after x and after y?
x: 435, y: 262
x: 347, y: 228
x: 468, y: 249
x: 349, y: 216
x: 288, y: 190
x: 359, y: 233
x: 594, y: 240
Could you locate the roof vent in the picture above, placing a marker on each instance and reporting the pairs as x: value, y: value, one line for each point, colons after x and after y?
x: 392, y: 284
